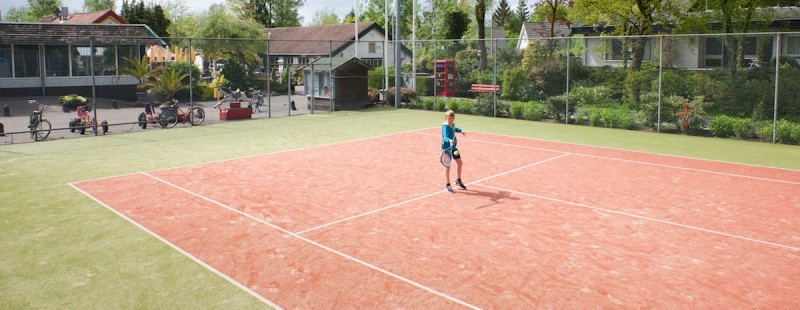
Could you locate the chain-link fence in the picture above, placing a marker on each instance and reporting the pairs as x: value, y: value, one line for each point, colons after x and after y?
x: 740, y: 85
x: 82, y: 85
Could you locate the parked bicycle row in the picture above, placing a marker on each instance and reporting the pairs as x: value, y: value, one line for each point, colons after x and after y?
x: 101, y: 117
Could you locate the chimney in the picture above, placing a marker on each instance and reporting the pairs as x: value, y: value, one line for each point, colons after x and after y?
x: 64, y: 13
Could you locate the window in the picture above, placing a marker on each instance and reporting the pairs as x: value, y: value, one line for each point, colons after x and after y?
x: 81, y: 60
x: 105, y: 60
x: 374, y: 62
x: 127, y: 51
x: 56, y: 60
x: 793, y: 45
x: 372, y: 47
x: 5, y: 60
x: 753, y: 48
x: 26, y: 61
x: 616, y: 52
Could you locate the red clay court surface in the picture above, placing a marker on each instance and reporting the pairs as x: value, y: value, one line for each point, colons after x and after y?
x: 365, y: 224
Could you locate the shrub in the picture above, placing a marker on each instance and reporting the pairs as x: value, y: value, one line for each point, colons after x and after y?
x: 556, y: 107
x: 725, y: 126
x: 783, y: 132
x: 534, y: 111
x: 618, y: 118
x: 637, y: 83
x: 72, y: 101
x: 427, y: 103
x: 722, y: 126
x: 517, y: 109
x: 484, y: 105
x: 406, y: 95
x: 503, y: 108
x: 584, y: 96
x: 517, y: 85
x: 743, y: 128
x: 613, y: 117
x: 763, y: 130
x: 691, y: 117
x: 673, y: 83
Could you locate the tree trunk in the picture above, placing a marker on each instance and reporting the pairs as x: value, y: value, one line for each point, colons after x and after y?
x: 480, y: 13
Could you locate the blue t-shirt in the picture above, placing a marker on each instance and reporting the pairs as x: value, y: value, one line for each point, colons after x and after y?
x: 449, y: 133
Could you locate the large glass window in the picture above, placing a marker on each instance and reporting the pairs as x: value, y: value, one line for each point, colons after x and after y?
x: 127, y: 51
x: 81, y: 60
x: 26, y: 61
x: 105, y: 60
x: 56, y: 59
x: 5, y: 60
x: 617, y: 49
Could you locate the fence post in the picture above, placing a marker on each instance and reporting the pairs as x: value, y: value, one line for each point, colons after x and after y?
x: 289, y: 85
x: 94, y: 91
x: 332, y: 79
x: 191, y: 82
x: 435, y: 56
x: 566, y: 96
x: 310, y: 92
x: 775, y: 103
x: 494, y: 76
x: 269, y: 80
x: 660, y: 71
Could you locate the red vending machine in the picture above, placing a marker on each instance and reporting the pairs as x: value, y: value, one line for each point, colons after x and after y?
x: 444, y: 73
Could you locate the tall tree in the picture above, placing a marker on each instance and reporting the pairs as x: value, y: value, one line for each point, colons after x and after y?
x: 270, y: 13
x: 501, y: 14
x: 325, y: 16
x: 552, y: 12
x: 480, y: 18
x: 522, y: 11
x: 629, y: 17
x: 219, y: 23
x: 18, y: 14
x: 39, y: 8
x: 153, y: 16
x: 98, y: 5
x: 350, y: 18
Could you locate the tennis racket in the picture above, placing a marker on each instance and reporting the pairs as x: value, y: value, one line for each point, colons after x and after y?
x: 447, y: 156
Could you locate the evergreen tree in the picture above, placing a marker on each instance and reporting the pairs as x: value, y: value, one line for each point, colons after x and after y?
x: 501, y: 13
x: 522, y: 11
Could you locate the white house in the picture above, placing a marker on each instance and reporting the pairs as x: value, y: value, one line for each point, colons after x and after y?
x: 298, y: 46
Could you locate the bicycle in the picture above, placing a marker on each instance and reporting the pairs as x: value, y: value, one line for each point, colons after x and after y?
x: 39, y: 127
x: 259, y: 100
x: 170, y: 116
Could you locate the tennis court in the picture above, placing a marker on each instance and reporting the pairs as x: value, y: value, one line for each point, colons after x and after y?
x: 365, y: 223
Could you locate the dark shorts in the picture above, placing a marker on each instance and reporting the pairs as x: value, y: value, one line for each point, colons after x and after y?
x: 456, y: 154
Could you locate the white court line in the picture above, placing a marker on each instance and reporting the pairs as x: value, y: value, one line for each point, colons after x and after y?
x: 645, y: 218
x: 619, y: 149
x: 425, y: 196
x: 322, y: 246
x: 638, y: 162
x: 187, y: 254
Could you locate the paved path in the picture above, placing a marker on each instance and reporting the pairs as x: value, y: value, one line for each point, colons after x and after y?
x: 121, y: 119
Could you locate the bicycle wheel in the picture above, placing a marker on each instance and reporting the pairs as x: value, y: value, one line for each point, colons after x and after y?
x: 168, y: 119
x: 256, y: 106
x: 198, y: 116
x: 42, y: 130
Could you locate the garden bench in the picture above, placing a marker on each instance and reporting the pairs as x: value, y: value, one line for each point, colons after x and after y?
x: 484, y: 88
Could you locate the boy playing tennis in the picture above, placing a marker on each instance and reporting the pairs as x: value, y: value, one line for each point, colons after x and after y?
x: 449, y: 142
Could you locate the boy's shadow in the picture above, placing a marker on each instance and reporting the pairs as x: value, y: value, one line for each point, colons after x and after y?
x: 495, y: 197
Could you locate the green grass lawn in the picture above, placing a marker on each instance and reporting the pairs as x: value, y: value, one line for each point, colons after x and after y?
x: 60, y: 249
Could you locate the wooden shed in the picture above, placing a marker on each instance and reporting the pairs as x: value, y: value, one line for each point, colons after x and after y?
x: 337, y: 83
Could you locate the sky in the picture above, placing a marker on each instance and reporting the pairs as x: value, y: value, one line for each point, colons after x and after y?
x: 340, y: 7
